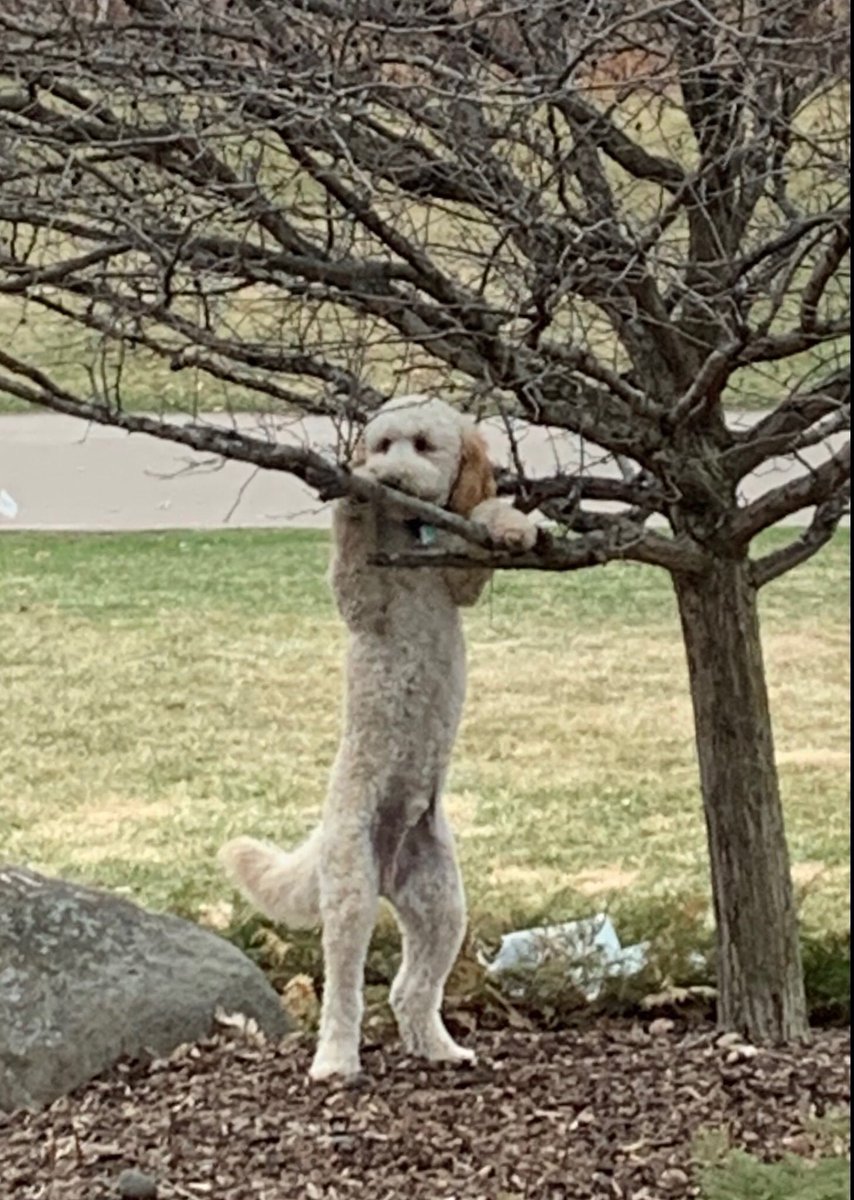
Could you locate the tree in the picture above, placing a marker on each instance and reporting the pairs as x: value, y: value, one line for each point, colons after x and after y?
x: 617, y: 220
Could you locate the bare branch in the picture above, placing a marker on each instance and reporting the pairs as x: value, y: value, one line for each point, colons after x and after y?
x: 342, y: 383
x: 823, y: 272
x: 794, y: 341
x: 818, y: 533
x: 790, y: 237
x: 316, y: 207
x: 641, y: 492
x: 708, y: 384
x: 21, y: 280
x: 818, y: 486
x: 331, y: 480
x: 620, y: 541
x: 785, y: 427
x: 623, y: 150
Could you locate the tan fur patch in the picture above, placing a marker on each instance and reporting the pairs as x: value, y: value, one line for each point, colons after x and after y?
x: 475, y: 480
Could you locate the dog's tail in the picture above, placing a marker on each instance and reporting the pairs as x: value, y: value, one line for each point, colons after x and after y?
x: 282, y: 884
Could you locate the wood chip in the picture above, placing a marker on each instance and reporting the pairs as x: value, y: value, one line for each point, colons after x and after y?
x: 594, y: 1111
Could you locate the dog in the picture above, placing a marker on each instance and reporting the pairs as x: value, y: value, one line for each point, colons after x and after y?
x: 383, y: 831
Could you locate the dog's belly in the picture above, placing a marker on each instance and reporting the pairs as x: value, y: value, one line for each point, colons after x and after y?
x: 404, y: 698
x: 405, y: 694
x: 401, y: 846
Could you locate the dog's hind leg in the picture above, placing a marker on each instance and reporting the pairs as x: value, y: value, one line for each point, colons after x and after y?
x: 426, y: 892
x: 348, y: 905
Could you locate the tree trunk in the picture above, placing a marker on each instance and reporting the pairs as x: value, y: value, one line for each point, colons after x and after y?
x: 760, y: 981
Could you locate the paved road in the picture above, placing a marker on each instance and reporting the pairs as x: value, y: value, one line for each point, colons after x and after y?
x: 61, y: 474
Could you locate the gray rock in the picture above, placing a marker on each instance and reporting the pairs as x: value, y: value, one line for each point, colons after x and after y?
x: 135, y: 1185
x: 87, y: 977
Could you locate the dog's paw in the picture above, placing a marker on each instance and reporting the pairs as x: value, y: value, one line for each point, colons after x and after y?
x: 331, y: 1064
x: 433, y: 1042
x: 451, y: 1052
x: 505, y: 525
x: 511, y: 528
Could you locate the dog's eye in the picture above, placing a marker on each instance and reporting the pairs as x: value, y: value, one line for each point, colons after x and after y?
x: 383, y: 446
x: 422, y: 445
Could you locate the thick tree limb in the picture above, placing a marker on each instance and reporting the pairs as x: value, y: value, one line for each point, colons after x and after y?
x: 775, y: 433
x: 818, y: 533
x: 823, y: 271
x: 784, y: 242
x: 643, y: 492
x: 22, y: 279
x: 773, y: 347
x: 622, y: 541
x: 707, y: 385
x: 816, y: 487
x: 328, y: 478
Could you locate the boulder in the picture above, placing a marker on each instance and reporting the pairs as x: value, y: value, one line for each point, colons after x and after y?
x: 87, y: 977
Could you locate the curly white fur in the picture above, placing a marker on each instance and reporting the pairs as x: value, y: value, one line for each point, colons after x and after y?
x: 384, y: 832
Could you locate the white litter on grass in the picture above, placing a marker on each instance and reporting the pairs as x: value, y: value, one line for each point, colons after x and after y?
x: 8, y: 507
x: 590, y: 948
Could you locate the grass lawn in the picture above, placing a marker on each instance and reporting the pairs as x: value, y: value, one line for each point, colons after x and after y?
x: 743, y: 1177
x: 162, y: 692
x: 726, y: 1173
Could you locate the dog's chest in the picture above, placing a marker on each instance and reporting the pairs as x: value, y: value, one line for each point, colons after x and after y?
x: 411, y: 534
x: 415, y: 596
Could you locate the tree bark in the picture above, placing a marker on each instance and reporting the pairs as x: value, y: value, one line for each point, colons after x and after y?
x: 760, y: 980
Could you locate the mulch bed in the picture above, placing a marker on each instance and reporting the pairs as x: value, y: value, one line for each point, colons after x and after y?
x: 604, y: 1112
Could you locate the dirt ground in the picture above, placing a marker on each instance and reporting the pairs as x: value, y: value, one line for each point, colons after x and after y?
x: 611, y: 1112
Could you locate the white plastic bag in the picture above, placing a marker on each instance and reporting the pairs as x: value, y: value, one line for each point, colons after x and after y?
x: 590, y: 948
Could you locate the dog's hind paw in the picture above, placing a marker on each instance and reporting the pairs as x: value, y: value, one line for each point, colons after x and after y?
x: 452, y: 1053
x: 330, y: 1064
x: 436, y: 1046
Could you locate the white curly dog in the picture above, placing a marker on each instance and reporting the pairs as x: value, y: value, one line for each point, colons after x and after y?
x: 383, y: 830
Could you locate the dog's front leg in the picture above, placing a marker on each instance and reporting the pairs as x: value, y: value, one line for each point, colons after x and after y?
x: 506, y: 525
x: 348, y: 905
x: 359, y: 588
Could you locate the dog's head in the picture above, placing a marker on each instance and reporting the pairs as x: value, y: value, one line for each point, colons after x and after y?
x: 426, y: 448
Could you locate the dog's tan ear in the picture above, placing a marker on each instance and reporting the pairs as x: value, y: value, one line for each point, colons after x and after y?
x: 475, y: 481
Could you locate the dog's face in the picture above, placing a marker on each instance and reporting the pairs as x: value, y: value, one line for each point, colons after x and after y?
x: 426, y: 448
